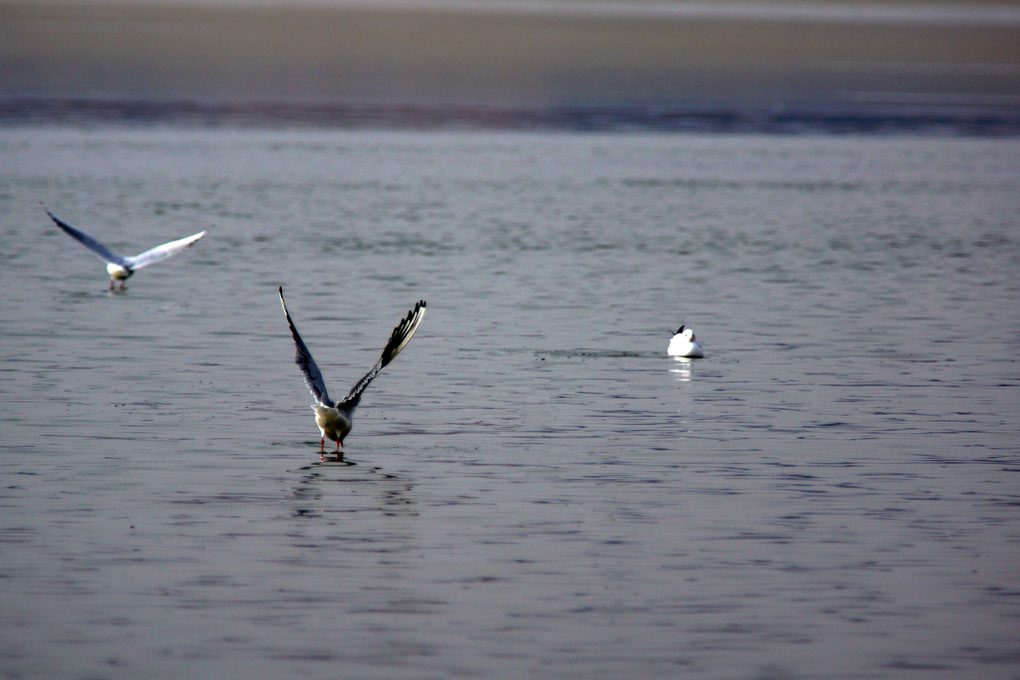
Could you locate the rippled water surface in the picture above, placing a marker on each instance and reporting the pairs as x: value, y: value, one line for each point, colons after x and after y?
x: 532, y: 489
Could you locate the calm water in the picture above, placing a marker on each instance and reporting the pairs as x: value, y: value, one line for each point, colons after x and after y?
x: 533, y: 489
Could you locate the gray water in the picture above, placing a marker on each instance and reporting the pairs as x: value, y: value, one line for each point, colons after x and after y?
x: 532, y: 489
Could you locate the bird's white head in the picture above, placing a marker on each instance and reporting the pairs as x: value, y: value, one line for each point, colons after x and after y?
x: 685, y: 333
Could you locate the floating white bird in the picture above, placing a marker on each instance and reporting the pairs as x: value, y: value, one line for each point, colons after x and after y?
x: 119, y: 266
x: 335, y: 418
x: 684, y: 344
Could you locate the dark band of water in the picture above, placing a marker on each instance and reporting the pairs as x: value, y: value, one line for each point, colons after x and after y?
x: 951, y: 121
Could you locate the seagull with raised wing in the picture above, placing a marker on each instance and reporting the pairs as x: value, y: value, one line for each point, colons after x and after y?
x: 121, y: 267
x: 684, y: 344
x: 335, y: 418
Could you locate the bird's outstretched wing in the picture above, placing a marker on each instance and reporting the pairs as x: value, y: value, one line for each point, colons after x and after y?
x: 91, y: 243
x: 162, y: 252
x: 303, y: 358
x: 399, y: 338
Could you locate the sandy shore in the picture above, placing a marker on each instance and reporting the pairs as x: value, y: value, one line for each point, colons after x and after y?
x: 444, y: 54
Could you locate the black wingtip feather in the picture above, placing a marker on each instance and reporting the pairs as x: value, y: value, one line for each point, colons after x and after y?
x: 399, y: 336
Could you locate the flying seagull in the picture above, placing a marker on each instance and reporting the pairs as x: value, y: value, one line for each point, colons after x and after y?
x: 335, y: 418
x: 119, y: 266
x: 684, y: 344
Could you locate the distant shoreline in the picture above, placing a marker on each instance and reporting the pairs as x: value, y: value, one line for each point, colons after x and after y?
x: 281, y: 61
x: 818, y: 10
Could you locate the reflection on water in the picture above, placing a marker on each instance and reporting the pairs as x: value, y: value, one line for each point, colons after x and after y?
x: 389, y: 493
x: 533, y: 488
x: 682, y: 368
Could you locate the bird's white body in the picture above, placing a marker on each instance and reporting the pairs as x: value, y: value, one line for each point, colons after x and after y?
x: 117, y: 272
x: 333, y: 423
x: 684, y: 344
